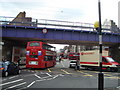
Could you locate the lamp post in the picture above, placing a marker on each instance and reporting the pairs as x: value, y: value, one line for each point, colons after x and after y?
x: 100, y: 74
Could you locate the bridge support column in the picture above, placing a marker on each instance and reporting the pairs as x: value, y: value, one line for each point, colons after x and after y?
x: 7, y: 50
x: 77, y: 50
x: 114, y: 52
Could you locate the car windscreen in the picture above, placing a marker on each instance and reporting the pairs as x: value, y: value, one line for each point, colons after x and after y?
x: 110, y: 59
x: 34, y: 44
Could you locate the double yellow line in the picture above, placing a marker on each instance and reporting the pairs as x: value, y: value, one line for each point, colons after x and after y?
x: 65, y: 71
x: 86, y: 74
x: 61, y: 70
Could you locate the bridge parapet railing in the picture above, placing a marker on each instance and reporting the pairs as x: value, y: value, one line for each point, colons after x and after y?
x: 4, y: 20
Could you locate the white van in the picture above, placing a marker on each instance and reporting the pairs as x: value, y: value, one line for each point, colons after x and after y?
x: 90, y: 59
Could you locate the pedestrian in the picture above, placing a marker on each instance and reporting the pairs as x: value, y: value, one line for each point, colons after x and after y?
x: 60, y: 59
x: 18, y: 61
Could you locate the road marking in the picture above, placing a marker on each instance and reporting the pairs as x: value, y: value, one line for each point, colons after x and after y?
x: 86, y: 74
x: 37, y: 76
x: 45, y: 77
x: 31, y: 84
x: 11, y: 82
x: 16, y: 85
x: 65, y: 71
x: 13, y: 77
x: 112, y: 77
x: 97, y: 72
x: 48, y: 74
x: 55, y: 76
x: 107, y: 74
x: 49, y: 70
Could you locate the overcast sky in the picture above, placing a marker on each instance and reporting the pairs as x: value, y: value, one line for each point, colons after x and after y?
x: 68, y: 10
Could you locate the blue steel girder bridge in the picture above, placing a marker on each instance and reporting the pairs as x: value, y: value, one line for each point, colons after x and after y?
x: 58, y: 32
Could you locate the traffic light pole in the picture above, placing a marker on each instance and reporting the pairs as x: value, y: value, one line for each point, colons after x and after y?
x: 100, y: 75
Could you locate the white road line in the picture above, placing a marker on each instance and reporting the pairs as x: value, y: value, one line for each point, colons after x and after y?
x: 11, y: 82
x: 49, y: 79
x: 41, y: 80
x: 55, y: 76
x: 31, y: 84
x: 48, y: 74
x: 16, y: 85
x: 37, y: 76
x: 13, y: 77
x: 45, y: 77
x: 61, y: 75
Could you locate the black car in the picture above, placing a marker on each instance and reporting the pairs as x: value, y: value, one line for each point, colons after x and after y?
x: 9, y: 68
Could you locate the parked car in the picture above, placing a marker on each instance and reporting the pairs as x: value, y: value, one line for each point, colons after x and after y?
x: 9, y: 68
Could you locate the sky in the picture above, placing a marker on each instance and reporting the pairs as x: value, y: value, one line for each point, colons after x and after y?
x: 68, y: 10
x: 85, y: 11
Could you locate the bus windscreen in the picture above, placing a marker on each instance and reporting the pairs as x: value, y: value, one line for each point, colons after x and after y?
x: 34, y: 44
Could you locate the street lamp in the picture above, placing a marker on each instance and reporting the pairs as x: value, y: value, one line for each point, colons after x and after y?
x: 100, y: 74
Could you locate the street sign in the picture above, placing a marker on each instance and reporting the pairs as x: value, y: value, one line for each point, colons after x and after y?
x: 44, y: 31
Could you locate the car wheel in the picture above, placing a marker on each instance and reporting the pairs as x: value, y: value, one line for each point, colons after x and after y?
x: 70, y: 66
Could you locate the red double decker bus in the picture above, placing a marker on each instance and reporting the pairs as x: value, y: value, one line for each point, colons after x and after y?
x: 40, y: 55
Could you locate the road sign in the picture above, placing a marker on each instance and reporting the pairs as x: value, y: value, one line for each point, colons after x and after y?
x: 44, y: 31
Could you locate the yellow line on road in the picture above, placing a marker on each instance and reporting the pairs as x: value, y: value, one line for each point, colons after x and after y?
x: 107, y: 74
x: 65, y: 71
x: 49, y: 70
x: 97, y: 72
x: 113, y: 77
x: 86, y: 74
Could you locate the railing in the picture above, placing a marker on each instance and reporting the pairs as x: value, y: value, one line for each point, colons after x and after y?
x: 53, y: 24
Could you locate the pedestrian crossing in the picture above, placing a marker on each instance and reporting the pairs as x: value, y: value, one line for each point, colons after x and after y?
x: 77, y: 72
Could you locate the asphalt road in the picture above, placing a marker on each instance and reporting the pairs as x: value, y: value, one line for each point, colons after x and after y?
x: 60, y: 76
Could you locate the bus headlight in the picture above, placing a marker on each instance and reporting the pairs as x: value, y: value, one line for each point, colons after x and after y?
x: 27, y: 52
x: 39, y: 53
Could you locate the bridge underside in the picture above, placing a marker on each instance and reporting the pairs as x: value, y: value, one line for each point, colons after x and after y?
x: 57, y: 36
x: 23, y: 41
